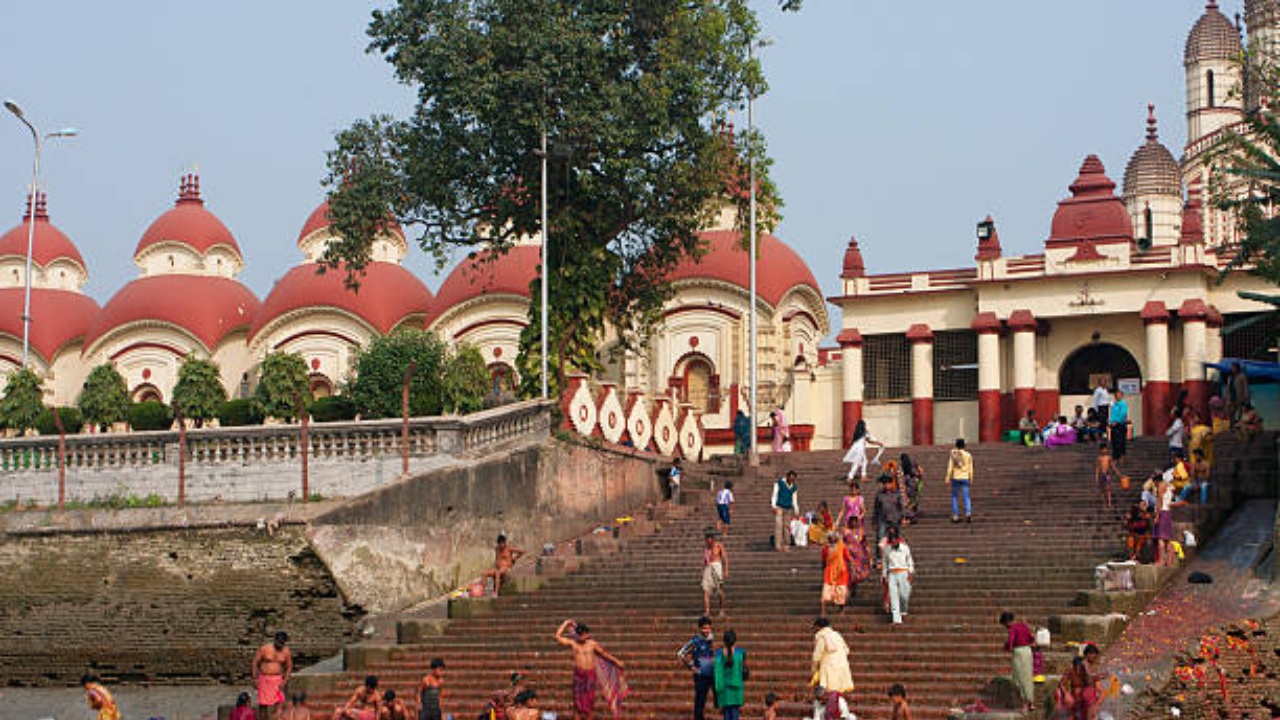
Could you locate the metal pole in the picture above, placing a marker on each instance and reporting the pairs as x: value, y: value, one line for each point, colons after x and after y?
x: 31, y: 241
x: 751, y: 178
x: 545, y: 238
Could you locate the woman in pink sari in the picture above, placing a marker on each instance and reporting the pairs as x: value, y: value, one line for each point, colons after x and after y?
x: 855, y: 540
x: 781, y: 431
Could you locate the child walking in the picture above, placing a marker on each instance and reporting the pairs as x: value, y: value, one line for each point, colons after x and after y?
x: 1104, y: 473
x: 898, y: 696
x: 724, y: 503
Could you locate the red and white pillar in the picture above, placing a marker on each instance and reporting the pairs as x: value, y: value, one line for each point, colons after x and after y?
x: 921, y: 338
x: 987, y: 325
x: 1194, y: 314
x: 1156, y: 400
x: 1023, y: 326
x: 850, y: 381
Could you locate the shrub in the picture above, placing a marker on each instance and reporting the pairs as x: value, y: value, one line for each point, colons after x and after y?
x: 284, y: 379
x: 23, y: 400
x: 72, y: 421
x: 238, y: 412
x: 466, y: 380
x: 380, y: 372
x: 198, y: 392
x: 150, y: 415
x: 333, y: 409
x: 104, y: 398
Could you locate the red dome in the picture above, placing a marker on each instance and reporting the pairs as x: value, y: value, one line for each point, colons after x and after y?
x: 779, y: 268
x: 50, y: 243
x: 1093, y: 213
x: 388, y: 293
x: 207, y: 306
x: 57, y: 317
x: 319, y: 220
x: 508, y: 273
x: 189, y: 223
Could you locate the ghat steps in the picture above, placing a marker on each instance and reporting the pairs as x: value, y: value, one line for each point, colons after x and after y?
x: 1039, y: 529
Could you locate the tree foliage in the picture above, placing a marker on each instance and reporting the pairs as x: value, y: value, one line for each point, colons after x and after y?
x: 380, y: 369
x: 283, y: 382
x: 23, y: 400
x: 71, y: 417
x: 104, y: 397
x: 238, y: 412
x: 335, y: 408
x: 632, y: 95
x: 466, y: 380
x: 198, y: 392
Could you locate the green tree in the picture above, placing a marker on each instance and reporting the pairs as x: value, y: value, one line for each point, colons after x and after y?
x: 198, y: 392
x: 150, y: 415
x: 23, y: 400
x: 104, y: 398
x: 284, y: 379
x: 466, y: 380
x: 633, y: 96
x: 380, y: 372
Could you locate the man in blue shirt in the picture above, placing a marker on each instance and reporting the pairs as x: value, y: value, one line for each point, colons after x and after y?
x: 1119, y: 426
x: 699, y: 655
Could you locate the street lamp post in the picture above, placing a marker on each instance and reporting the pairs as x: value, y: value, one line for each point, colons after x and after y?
x: 545, y: 257
x: 12, y: 107
x: 751, y: 179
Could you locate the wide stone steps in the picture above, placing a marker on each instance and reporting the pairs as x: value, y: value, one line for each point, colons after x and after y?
x: 1039, y: 530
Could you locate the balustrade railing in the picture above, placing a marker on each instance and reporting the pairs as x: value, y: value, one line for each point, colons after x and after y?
x: 364, y: 439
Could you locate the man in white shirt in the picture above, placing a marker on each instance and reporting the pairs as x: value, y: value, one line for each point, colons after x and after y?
x: 673, y: 481
x: 785, y: 501
x: 899, y: 571
x: 1102, y: 402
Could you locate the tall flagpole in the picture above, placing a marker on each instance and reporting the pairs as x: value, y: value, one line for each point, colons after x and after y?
x: 751, y: 178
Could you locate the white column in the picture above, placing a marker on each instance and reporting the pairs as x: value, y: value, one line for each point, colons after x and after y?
x: 1195, y: 350
x: 1024, y: 359
x: 1158, y: 351
x: 922, y: 370
x: 988, y: 361
x: 851, y: 373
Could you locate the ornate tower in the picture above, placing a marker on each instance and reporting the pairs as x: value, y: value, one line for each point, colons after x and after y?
x: 1153, y: 189
x: 1212, y: 62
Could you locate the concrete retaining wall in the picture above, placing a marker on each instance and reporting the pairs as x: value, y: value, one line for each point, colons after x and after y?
x: 425, y: 536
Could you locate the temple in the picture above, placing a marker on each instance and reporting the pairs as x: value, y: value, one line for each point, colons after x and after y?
x: 1124, y: 290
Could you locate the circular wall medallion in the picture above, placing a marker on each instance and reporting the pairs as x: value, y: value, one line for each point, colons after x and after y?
x: 315, y: 363
x: 497, y: 352
x: 146, y: 373
x: 693, y: 341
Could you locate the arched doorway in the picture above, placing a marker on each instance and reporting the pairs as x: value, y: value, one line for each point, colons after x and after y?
x: 503, y: 379
x: 699, y: 383
x: 1107, y: 363
x: 146, y: 392
x: 321, y: 386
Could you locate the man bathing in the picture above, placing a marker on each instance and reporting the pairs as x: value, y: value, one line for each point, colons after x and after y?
x: 505, y: 556
x: 272, y: 667
x: 585, y: 652
x: 365, y: 702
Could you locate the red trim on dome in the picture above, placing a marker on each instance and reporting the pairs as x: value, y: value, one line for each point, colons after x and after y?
x: 206, y: 306
x: 489, y: 323
x: 319, y: 220
x: 1093, y: 214
x: 388, y: 294
x: 57, y: 317
x: 727, y: 312
x: 49, y: 243
x: 308, y: 333
x: 506, y: 273
x: 189, y: 223
x: 779, y: 267
x: 154, y: 345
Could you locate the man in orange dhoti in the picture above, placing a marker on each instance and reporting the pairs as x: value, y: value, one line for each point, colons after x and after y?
x: 272, y: 667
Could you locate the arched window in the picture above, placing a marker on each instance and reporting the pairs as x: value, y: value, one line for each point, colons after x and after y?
x: 697, y: 384
x: 1208, y: 80
x: 503, y: 378
x: 146, y: 392
x: 1146, y: 222
x: 321, y: 386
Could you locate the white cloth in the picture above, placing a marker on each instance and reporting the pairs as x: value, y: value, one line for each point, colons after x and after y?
x: 800, y: 532
x: 899, y: 595
x: 1176, y: 433
x: 724, y: 497
x: 820, y: 710
x: 898, y: 558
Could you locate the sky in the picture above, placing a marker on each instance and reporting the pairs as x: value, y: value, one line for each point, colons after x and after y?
x: 900, y: 123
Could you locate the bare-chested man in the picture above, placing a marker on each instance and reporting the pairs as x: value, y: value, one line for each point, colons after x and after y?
x: 272, y: 667
x: 715, y: 569
x: 524, y: 707
x: 365, y: 702
x: 393, y: 708
x: 505, y: 556
x: 585, y: 651
x: 297, y: 709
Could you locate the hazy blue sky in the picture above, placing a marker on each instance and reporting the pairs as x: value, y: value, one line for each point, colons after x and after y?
x: 903, y: 123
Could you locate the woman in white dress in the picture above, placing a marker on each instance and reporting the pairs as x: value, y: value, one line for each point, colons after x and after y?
x: 857, y: 454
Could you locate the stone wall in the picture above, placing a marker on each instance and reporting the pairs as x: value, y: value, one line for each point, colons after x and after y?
x: 425, y: 536
x: 173, y: 605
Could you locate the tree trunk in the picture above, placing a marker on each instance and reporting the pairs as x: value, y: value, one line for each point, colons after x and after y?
x: 62, y: 459
x: 404, y: 412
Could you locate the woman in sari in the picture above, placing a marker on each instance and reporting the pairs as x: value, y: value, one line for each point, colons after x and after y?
x: 1077, y: 695
x: 99, y: 698
x: 835, y: 573
x: 781, y: 431
x: 822, y: 524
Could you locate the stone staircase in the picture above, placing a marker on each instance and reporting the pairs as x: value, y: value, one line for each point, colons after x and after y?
x: 1039, y: 530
